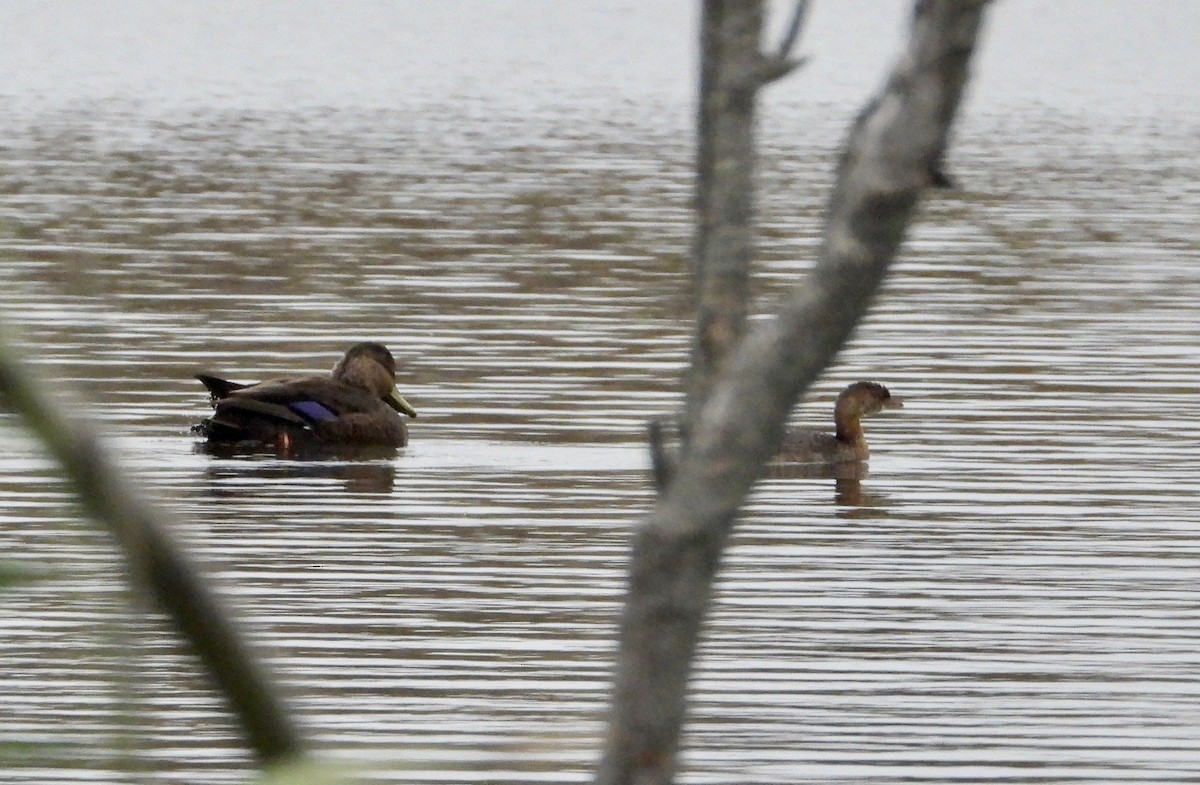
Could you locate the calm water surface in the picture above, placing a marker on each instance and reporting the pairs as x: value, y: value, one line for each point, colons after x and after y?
x: 1012, y: 595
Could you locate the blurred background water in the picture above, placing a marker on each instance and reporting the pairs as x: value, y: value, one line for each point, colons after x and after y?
x: 500, y: 193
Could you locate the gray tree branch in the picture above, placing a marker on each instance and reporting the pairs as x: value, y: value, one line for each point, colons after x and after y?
x: 781, y: 63
x: 724, y: 205
x: 678, y: 547
x: 155, y: 560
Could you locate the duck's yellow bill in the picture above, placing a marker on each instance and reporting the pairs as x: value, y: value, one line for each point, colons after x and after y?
x: 397, y: 402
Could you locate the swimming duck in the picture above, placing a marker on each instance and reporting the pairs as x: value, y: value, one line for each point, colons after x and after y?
x: 356, y: 405
x: 848, y: 442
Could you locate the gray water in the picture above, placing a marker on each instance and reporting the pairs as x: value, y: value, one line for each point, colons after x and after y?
x: 1011, y: 595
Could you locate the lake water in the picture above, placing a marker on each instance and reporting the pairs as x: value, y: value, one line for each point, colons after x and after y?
x: 500, y: 194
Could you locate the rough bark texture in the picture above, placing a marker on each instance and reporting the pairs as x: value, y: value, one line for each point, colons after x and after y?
x: 729, y: 81
x: 155, y: 561
x: 677, y: 548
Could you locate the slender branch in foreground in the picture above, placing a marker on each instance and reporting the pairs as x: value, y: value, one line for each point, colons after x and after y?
x: 155, y: 560
x: 678, y: 547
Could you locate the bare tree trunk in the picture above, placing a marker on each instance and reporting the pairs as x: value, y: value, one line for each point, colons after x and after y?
x: 724, y: 202
x: 677, y: 548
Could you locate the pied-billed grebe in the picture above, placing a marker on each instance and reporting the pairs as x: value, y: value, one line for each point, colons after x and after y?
x: 356, y: 405
x: 848, y: 443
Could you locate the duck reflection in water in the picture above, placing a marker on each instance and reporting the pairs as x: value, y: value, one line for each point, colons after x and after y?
x: 357, y: 406
x: 361, y: 471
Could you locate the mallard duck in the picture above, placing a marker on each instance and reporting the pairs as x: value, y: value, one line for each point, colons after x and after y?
x: 848, y: 442
x: 357, y: 404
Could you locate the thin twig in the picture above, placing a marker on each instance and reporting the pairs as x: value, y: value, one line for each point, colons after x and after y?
x: 781, y: 63
x: 799, y: 15
x: 660, y: 461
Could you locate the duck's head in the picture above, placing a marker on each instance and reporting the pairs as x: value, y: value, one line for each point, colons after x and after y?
x: 864, y: 398
x: 371, y: 366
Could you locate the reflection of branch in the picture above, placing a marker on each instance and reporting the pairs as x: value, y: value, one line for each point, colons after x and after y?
x: 159, y: 565
x: 677, y: 548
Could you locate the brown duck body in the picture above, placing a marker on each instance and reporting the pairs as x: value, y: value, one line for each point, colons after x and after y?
x: 848, y: 442
x: 358, y: 404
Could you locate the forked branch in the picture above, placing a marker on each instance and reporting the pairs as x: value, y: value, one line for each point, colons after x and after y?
x: 678, y: 546
x: 781, y: 63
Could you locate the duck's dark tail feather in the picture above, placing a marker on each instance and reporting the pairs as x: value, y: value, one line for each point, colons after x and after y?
x: 242, y: 418
x: 217, y: 387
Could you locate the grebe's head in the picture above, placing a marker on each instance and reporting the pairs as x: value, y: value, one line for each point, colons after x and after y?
x: 865, y: 398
